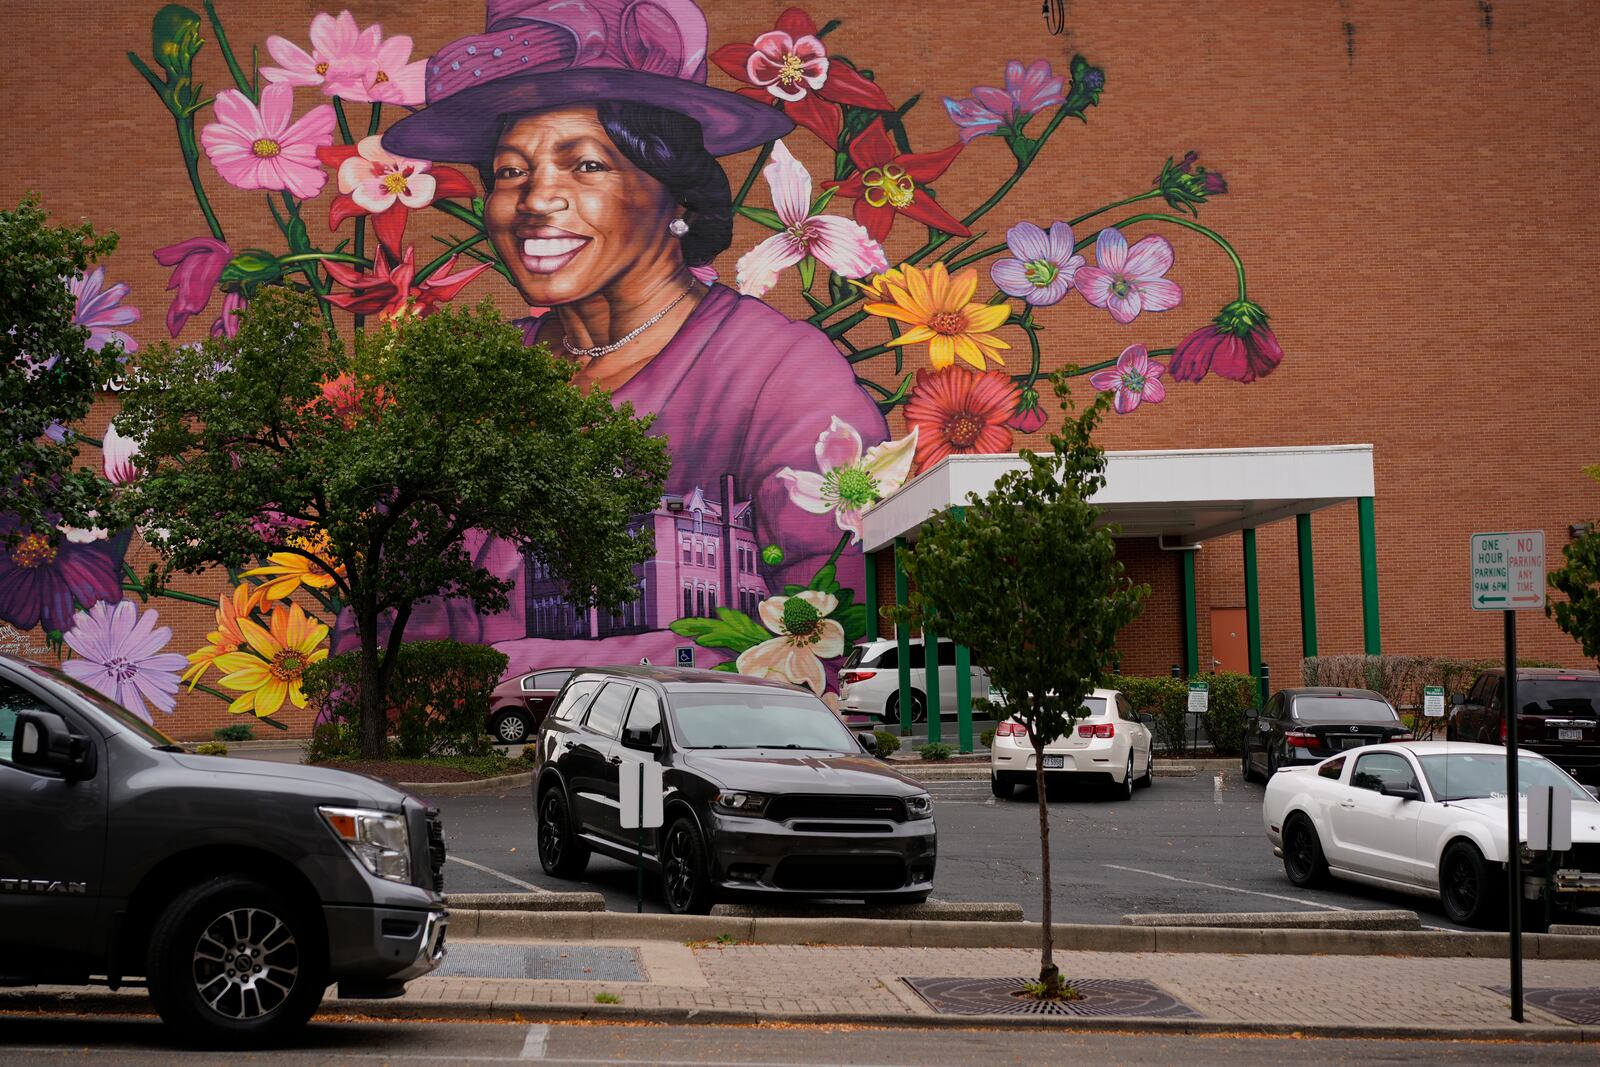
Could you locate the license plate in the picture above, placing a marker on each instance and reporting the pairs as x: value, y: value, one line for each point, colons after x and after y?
x: 1569, y: 735
x: 1352, y: 742
x: 1054, y: 763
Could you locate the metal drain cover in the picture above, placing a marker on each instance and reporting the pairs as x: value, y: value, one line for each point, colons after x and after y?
x: 1576, y: 1005
x: 1100, y: 997
x: 477, y: 959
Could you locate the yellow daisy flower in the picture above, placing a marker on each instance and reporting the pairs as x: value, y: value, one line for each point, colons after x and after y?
x: 288, y: 571
x: 273, y: 674
x: 878, y: 284
x: 227, y: 637
x: 940, y: 310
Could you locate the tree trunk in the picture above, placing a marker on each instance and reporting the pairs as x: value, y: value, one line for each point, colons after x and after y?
x: 374, y: 720
x: 1049, y: 973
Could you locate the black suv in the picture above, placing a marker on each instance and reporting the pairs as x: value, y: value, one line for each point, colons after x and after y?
x: 1559, y: 717
x: 766, y: 791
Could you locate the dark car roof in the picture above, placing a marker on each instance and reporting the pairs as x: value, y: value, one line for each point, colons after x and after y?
x: 1331, y: 691
x: 1550, y: 672
x: 684, y: 677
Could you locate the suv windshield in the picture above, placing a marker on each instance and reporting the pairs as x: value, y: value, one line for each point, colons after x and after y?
x: 1463, y: 776
x: 1342, y: 709
x: 1559, y: 696
x: 757, y: 720
x: 124, y: 718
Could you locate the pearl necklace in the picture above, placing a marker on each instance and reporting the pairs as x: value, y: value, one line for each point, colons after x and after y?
x: 602, y: 350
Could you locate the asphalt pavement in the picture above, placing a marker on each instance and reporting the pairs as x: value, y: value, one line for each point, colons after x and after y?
x: 144, y: 1043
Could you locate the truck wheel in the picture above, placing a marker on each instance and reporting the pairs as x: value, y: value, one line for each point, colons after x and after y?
x: 233, y: 963
x: 1472, y: 893
x: 560, y: 854
x: 685, y: 874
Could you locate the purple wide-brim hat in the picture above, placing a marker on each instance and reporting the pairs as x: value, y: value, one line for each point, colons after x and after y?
x: 540, y: 54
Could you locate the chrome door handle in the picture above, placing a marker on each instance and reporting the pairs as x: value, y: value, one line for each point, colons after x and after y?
x: 615, y: 761
x: 1347, y: 803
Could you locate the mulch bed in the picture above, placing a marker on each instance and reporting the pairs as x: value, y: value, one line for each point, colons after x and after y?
x: 397, y: 771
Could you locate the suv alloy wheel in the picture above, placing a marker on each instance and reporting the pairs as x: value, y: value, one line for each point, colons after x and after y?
x: 685, y: 880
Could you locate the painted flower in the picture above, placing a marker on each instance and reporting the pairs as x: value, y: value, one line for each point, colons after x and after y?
x: 39, y: 582
x: 196, y: 265
x: 375, y: 182
x: 227, y: 324
x: 940, y: 310
x: 341, y: 53
x: 839, y: 244
x: 1237, y: 345
x: 265, y: 679
x: 228, y: 636
x: 878, y: 285
x: 287, y: 571
x: 100, y: 309
x: 1127, y: 281
x: 847, y: 483
x: 390, y: 77
x: 118, y: 452
x: 1028, y: 90
x: 1043, y: 266
x: 806, y: 637
x: 958, y: 411
x: 704, y: 274
x: 889, y: 182
x: 789, y: 67
x: 260, y: 148
x: 388, y: 291
x: 1186, y: 185
x: 1136, y: 378
x: 119, y: 655
x: 1029, y: 416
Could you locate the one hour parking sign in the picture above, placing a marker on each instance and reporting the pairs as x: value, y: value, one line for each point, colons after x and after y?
x: 1508, y: 571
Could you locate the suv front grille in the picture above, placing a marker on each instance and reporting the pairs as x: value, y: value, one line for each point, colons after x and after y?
x: 436, y: 848
x: 823, y: 806
x: 840, y: 873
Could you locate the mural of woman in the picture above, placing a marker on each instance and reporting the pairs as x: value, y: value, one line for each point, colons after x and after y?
x: 596, y: 136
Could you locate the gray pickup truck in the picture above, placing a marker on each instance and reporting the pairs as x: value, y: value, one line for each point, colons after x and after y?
x: 237, y: 890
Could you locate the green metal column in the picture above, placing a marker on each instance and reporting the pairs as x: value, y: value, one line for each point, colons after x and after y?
x: 963, y: 680
x: 902, y: 635
x: 1369, y: 577
x: 930, y: 675
x: 869, y: 595
x: 1252, y: 605
x: 1308, y: 587
x: 1191, y: 625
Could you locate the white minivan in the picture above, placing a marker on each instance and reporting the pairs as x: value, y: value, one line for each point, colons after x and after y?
x: 869, y: 683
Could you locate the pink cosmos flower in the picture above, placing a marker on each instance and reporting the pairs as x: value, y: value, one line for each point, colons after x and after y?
x: 841, y: 245
x: 390, y: 77
x: 1028, y: 91
x: 341, y: 55
x: 1136, y: 378
x: 1127, y: 281
x: 260, y: 149
x: 119, y: 655
x: 100, y: 308
x: 1237, y: 344
x: 845, y: 482
x: 196, y: 265
x: 118, y: 452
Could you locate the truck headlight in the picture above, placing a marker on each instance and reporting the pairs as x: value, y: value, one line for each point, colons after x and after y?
x: 378, y: 839
x: 739, y: 802
x: 919, y: 806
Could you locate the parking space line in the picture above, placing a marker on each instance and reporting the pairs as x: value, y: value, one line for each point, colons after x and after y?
x: 538, y: 1039
x: 502, y: 875
x: 1228, y: 888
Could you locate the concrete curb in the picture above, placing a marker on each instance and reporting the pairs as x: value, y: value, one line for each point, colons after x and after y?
x: 925, y: 933
x: 132, y: 1002
x: 547, y: 901
x: 461, y: 789
x: 934, y: 910
x: 1301, y: 920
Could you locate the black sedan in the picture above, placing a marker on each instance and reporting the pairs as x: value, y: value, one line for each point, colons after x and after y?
x: 766, y: 792
x: 1300, y: 726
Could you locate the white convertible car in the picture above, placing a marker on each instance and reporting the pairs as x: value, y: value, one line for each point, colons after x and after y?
x: 1422, y: 817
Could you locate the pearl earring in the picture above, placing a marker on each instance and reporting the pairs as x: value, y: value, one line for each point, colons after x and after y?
x: 677, y: 227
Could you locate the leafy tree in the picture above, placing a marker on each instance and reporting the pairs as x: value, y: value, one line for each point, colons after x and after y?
x: 1579, y: 580
x: 1028, y: 579
x: 48, y: 375
x: 373, y: 465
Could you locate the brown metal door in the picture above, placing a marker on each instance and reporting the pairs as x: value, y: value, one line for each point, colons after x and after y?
x: 1230, y: 647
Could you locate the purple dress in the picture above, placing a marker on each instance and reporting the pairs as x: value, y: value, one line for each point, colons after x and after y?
x: 739, y: 393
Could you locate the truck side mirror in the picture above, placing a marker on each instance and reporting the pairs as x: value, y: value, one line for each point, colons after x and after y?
x: 1458, y: 699
x: 45, y: 742
x: 868, y: 742
x: 647, y: 740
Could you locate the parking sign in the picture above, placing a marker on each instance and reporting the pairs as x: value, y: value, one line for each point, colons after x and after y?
x: 1508, y: 571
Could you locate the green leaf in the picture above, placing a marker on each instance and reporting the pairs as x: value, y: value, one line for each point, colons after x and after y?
x: 727, y: 665
x: 808, y: 272
x: 854, y: 621
x: 824, y: 579
x: 732, y: 630
x: 822, y: 201
x: 765, y: 217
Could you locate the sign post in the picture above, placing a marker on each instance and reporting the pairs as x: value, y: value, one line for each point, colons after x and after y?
x: 639, y: 802
x: 1508, y: 576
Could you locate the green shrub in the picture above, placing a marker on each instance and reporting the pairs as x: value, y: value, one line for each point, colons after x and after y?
x: 438, y: 696
x: 1166, y: 701
x: 1401, y: 678
x: 239, y: 731
x: 529, y: 756
x: 935, y: 751
x: 333, y: 741
x: 1232, y: 697
x: 888, y: 743
x: 987, y: 738
x: 211, y: 748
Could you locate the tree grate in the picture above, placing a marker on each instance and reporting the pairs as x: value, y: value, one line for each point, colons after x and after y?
x: 1102, y: 997
x: 1579, y: 1005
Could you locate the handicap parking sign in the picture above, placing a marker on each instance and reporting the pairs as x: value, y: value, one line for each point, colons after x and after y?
x: 686, y: 655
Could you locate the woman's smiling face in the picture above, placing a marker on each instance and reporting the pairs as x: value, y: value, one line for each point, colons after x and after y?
x: 569, y: 213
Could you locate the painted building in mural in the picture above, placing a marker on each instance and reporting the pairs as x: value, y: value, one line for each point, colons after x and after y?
x: 866, y: 236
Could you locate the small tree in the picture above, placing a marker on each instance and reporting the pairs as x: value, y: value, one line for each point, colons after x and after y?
x: 49, y: 375
x: 1579, y: 580
x: 371, y: 466
x: 1030, y: 581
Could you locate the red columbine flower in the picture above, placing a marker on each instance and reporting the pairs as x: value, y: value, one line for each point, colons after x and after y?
x: 888, y: 182
x: 388, y: 292
x: 388, y: 187
x: 1236, y: 345
x: 790, y: 66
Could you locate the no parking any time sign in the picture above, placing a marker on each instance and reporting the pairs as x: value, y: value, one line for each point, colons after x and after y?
x: 1508, y: 571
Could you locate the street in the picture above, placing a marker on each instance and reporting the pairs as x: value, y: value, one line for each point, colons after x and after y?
x: 143, y: 1043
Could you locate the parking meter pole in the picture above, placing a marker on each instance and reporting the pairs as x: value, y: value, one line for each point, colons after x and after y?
x: 1513, y: 835
x: 639, y: 884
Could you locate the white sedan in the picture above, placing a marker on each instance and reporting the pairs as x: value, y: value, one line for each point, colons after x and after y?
x: 1108, y: 744
x: 1422, y: 817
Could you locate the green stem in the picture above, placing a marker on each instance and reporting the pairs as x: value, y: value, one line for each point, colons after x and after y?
x: 344, y: 123
x: 227, y: 55
x: 214, y: 692
x: 1086, y: 216
x: 312, y: 257
x: 750, y: 179
x: 170, y: 594
x: 870, y: 384
x: 1188, y: 224
x: 309, y: 269
x: 454, y: 250
x: 868, y: 353
x: 456, y: 211
x: 191, y: 163
x: 372, y: 123
x: 1026, y: 322
x: 844, y: 541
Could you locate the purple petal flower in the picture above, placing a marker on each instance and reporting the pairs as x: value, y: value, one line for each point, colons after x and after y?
x: 1136, y: 378
x: 197, y: 264
x: 101, y: 310
x: 119, y: 655
x: 1035, y: 88
x: 1044, y: 266
x: 972, y: 118
x: 39, y: 582
x: 1126, y: 281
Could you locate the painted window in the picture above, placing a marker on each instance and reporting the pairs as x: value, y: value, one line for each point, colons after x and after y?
x: 688, y: 600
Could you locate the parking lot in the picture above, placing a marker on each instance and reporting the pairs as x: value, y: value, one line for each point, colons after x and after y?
x: 1191, y: 844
